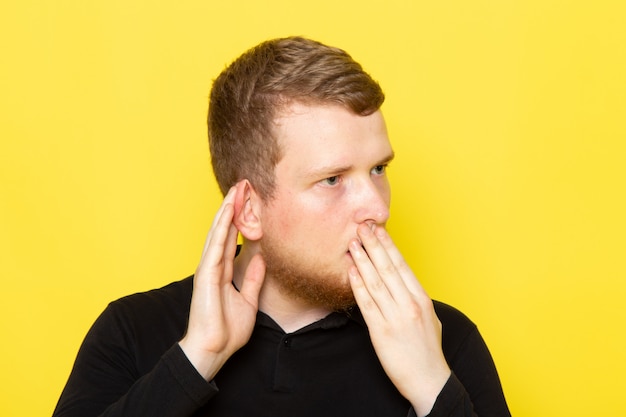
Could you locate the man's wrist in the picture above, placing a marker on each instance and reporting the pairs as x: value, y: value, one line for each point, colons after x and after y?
x: 206, y: 363
x: 426, y: 396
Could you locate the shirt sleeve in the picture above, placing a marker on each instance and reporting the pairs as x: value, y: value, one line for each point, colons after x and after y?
x: 452, y: 401
x: 473, y: 389
x: 106, y: 381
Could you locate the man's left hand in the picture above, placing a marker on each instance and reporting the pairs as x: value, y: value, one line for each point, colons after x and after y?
x: 403, y: 326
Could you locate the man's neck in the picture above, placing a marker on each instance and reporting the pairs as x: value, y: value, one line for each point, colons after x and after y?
x: 288, y: 312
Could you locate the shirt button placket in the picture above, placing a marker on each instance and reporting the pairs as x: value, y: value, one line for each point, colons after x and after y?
x: 282, y: 372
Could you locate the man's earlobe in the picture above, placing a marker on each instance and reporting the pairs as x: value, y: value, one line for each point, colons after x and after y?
x: 246, y: 217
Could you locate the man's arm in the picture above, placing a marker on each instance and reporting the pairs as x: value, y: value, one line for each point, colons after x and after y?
x: 104, y: 381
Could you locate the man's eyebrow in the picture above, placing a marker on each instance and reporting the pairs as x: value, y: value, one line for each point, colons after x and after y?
x: 387, y: 159
x: 332, y: 170
x: 327, y: 171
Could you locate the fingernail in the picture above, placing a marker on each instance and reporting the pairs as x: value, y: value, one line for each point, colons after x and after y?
x: 353, y: 274
x: 365, y: 228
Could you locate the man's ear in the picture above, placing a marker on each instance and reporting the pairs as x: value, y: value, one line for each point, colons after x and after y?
x: 247, y: 208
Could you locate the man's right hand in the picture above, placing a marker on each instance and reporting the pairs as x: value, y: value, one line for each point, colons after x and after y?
x: 221, y: 319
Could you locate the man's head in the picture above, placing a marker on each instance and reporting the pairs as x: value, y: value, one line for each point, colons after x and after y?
x: 296, y: 126
x: 249, y: 95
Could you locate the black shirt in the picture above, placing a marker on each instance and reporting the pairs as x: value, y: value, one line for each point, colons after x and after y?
x: 130, y: 364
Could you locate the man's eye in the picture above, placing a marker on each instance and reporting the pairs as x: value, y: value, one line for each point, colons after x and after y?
x: 379, y: 169
x: 334, y: 180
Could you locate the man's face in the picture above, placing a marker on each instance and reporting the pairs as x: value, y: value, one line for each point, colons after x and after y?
x: 331, y: 178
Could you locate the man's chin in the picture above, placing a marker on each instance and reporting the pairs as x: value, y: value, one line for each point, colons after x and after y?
x: 320, y: 291
x: 324, y: 284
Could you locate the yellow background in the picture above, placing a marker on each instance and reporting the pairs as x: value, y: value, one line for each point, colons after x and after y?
x: 508, y: 118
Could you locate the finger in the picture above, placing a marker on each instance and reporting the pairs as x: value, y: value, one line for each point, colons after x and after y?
x: 253, y: 280
x: 410, y: 280
x: 384, y: 265
x: 370, y: 277
x: 216, y: 241
x: 229, y: 198
x: 230, y: 250
x: 368, y: 306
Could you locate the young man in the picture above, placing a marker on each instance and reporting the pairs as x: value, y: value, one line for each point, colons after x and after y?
x: 317, y: 313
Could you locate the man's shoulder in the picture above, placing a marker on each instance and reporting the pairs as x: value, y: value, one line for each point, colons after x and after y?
x: 136, y: 330
x: 173, y: 297
x: 451, y: 316
x: 457, y: 328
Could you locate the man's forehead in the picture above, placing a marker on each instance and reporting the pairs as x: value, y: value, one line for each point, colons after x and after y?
x: 295, y: 108
x: 326, y: 136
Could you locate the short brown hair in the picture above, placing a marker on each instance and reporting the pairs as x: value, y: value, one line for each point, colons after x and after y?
x: 247, y: 96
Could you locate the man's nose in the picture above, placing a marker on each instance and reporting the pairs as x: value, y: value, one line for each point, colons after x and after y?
x: 372, y: 203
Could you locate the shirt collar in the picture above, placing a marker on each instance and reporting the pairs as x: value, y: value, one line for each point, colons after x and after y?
x: 331, y: 321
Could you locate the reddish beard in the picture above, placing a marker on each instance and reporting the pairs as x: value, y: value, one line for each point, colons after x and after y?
x: 306, y: 282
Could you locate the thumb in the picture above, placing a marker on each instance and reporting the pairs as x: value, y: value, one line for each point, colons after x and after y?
x: 253, y: 280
